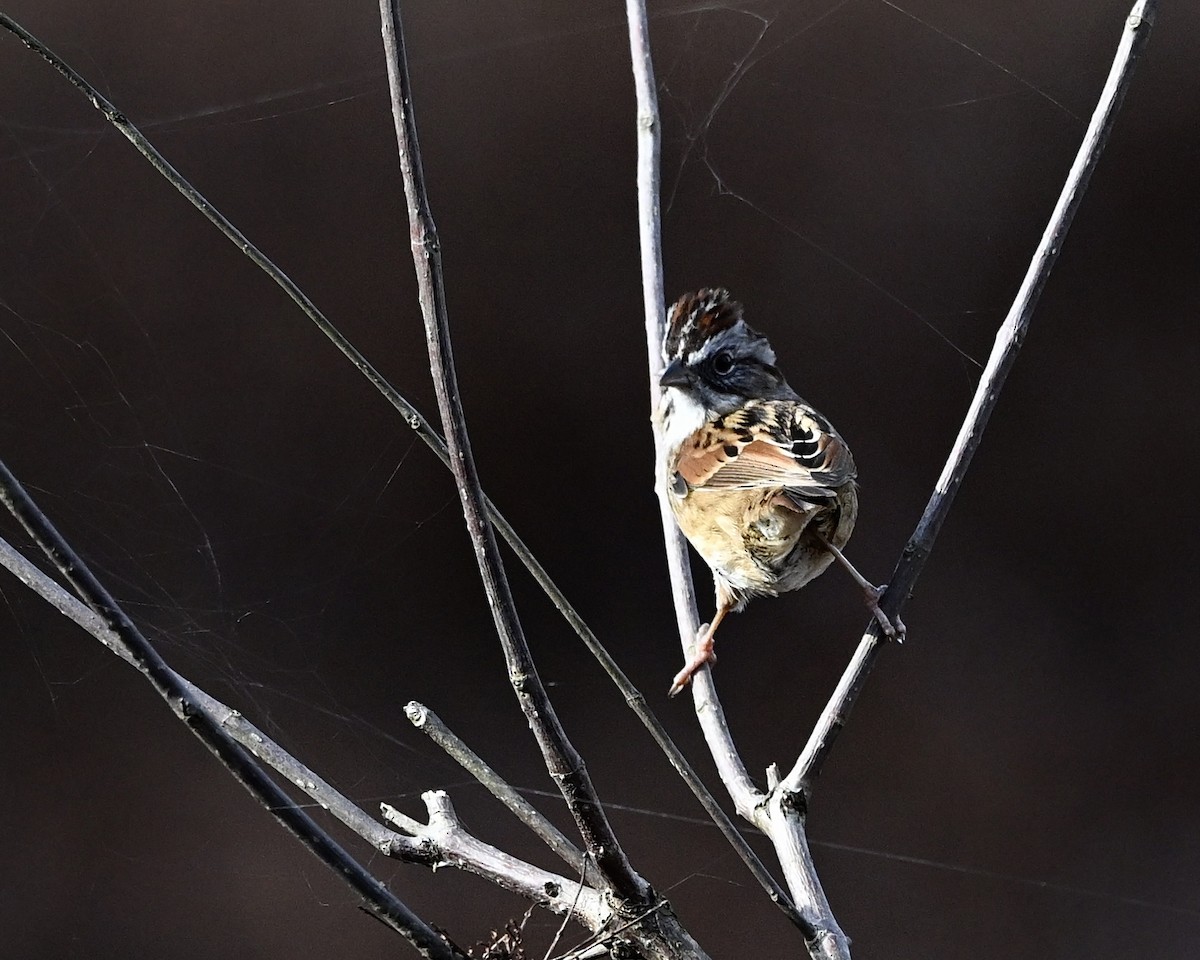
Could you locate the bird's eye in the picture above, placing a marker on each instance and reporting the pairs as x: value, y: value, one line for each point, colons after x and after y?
x: 722, y: 364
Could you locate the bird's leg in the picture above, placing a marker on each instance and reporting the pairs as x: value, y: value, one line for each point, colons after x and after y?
x: 893, y: 631
x: 702, y: 653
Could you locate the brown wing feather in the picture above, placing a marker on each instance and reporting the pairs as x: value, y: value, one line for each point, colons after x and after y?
x: 775, y: 443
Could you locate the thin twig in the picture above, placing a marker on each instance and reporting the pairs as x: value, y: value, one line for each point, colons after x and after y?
x: 563, y: 761
x: 241, y: 730
x: 708, y: 708
x: 649, y: 148
x: 562, y: 927
x: 1004, y: 352
x: 125, y: 636
x: 413, y: 418
x: 430, y: 724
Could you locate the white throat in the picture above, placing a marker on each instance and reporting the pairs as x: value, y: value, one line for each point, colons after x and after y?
x: 681, y: 416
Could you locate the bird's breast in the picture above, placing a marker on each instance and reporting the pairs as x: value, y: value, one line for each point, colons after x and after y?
x: 739, y: 533
x: 759, y: 540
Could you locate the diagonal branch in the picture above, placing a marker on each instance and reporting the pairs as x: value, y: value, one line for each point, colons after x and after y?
x: 415, y: 420
x: 241, y: 730
x: 123, y: 637
x: 431, y: 845
x: 563, y: 761
x: 1008, y: 341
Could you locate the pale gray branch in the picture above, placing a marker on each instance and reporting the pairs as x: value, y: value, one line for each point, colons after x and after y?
x: 1008, y: 342
x: 455, y: 846
x: 439, y: 843
x: 745, y: 795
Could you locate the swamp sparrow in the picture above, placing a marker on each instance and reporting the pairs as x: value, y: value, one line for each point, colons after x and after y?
x: 759, y: 482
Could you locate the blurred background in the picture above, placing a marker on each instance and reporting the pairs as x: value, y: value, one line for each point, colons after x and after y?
x: 870, y: 179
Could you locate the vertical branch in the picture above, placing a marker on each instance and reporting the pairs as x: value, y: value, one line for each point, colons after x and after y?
x: 746, y: 796
x: 562, y: 760
x: 683, y: 591
x: 1008, y: 342
x: 126, y: 640
x: 649, y: 140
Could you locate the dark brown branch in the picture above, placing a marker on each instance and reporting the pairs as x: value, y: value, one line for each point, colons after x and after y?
x: 134, y: 647
x: 1008, y: 342
x: 562, y: 759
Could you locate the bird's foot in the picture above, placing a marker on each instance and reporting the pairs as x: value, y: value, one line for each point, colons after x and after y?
x: 702, y: 655
x: 892, y: 629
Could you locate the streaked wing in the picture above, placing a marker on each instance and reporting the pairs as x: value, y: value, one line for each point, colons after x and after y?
x: 768, y: 443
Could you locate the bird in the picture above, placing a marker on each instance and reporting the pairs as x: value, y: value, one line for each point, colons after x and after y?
x: 759, y: 482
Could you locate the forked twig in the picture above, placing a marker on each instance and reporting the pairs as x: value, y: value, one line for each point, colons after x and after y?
x: 456, y: 846
x: 781, y: 812
x: 426, y: 844
x: 430, y: 724
x: 1004, y: 352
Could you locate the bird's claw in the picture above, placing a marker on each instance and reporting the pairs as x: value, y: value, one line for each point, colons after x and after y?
x: 893, y: 630
x: 701, y: 656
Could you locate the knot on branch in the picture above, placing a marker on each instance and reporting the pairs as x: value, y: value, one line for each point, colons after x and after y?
x: 796, y: 801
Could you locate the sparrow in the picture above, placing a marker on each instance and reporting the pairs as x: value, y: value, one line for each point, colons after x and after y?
x: 759, y: 482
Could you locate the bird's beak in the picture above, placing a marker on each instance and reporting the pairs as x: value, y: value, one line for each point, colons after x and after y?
x: 676, y: 375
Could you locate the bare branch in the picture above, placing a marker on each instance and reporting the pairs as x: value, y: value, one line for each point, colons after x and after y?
x: 649, y: 140
x: 562, y: 759
x: 415, y: 420
x: 634, y: 699
x: 245, y: 733
x: 122, y: 635
x: 432, y: 845
x: 430, y: 724
x: 1004, y: 352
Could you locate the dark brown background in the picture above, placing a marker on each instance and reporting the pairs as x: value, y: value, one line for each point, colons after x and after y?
x: 1021, y: 778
